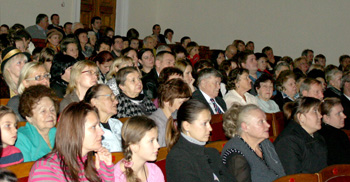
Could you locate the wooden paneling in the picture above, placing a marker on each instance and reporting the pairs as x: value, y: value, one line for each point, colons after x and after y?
x: 106, y: 9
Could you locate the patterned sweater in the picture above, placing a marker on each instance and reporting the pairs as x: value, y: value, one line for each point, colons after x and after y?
x: 48, y: 169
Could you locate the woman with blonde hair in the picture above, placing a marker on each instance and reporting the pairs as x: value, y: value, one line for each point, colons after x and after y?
x: 193, y: 52
x: 13, y: 61
x: 140, y: 145
x: 117, y: 64
x: 84, y: 74
x: 33, y: 73
x: 186, y: 68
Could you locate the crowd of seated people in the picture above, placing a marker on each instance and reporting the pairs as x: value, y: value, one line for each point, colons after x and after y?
x: 84, y: 94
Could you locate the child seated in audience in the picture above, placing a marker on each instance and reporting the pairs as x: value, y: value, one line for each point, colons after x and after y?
x: 140, y: 145
x: 10, y: 154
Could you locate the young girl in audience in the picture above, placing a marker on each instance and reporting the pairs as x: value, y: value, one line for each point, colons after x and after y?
x: 193, y: 52
x: 10, y: 154
x: 139, y: 141
x: 189, y: 159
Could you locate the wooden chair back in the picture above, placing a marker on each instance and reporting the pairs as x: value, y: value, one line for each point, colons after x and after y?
x: 21, y: 124
x: 218, y: 131
x: 117, y: 156
x: 339, y: 172
x: 21, y: 170
x: 4, y: 101
x: 276, y: 121
x: 39, y: 42
x: 218, y: 145
x: 299, y: 178
x: 123, y: 119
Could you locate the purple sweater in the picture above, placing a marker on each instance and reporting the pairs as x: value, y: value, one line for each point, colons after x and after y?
x: 48, y: 169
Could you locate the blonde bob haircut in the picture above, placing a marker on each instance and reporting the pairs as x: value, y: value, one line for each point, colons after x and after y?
x: 75, y: 73
x: 27, y: 69
x: 118, y: 63
x: 7, y: 76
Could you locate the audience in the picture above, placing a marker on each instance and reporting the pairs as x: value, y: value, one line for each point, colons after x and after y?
x: 12, y: 63
x: 333, y: 78
x: 39, y: 30
x: 311, y: 87
x: 186, y: 68
x: 131, y: 101
x: 83, y: 42
x: 264, y: 86
x: 72, y: 159
x: 300, y: 147
x: 39, y: 106
x: 117, y: 64
x: 102, y: 98
x: 208, y: 82
x: 146, y: 59
x: 238, y: 85
x: 171, y: 95
x: 61, y: 63
x: 163, y: 59
x: 53, y: 40
x: 139, y: 139
x: 33, y: 73
x: 103, y: 60
x: 286, y: 89
x: 249, y: 155
x: 10, y: 155
x: 188, y: 158
x: 338, y: 144
x: 60, y: 73
x: 82, y: 76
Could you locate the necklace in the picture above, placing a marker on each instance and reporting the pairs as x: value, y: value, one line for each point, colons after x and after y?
x: 144, y: 170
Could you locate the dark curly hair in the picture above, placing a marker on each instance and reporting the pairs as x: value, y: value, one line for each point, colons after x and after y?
x: 234, y: 76
x: 32, y: 95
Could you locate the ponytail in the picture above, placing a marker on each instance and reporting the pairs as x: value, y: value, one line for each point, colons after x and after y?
x: 188, y: 112
x: 172, y: 133
x: 299, y: 106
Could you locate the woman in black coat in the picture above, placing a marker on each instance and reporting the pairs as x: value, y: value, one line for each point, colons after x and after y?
x: 300, y: 147
x: 338, y: 143
x: 189, y: 159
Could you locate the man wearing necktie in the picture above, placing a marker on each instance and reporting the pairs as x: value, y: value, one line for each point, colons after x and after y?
x: 208, y: 82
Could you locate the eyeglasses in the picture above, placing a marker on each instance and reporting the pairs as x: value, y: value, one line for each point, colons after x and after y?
x: 90, y: 72
x: 111, y: 96
x: 40, y: 77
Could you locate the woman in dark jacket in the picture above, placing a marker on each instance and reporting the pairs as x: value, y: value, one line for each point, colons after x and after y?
x: 189, y: 159
x: 300, y: 147
x: 60, y: 73
x: 338, y: 143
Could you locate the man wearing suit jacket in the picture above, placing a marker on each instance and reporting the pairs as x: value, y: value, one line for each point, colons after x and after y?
x: 39, y: 30
x: 209, y: 80
x: 345, y: 99
x: 156, y: 31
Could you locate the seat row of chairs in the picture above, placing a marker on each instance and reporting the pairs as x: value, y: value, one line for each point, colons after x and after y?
x: 335, y: 173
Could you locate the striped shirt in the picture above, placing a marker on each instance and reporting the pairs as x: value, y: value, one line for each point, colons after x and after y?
x: 10, y: 155
x: 48, y: 169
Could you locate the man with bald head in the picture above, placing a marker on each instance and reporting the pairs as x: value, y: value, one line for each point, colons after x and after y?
x: 230, y: 51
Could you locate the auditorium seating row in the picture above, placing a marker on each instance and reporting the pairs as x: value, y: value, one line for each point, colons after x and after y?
x: 334, y: 173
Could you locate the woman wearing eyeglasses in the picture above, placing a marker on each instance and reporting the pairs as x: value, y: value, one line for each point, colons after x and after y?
x: 84, y: 74
x: 102, y: 97
x: 33, y: 73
